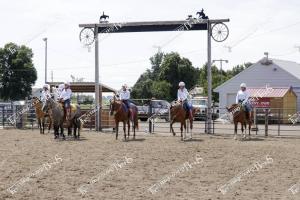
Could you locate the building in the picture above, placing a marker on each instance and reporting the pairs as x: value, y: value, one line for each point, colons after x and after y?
x: 265, y: 73
x: 281, y: 101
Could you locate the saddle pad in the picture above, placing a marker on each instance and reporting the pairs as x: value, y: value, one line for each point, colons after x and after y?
x: 73, y: 107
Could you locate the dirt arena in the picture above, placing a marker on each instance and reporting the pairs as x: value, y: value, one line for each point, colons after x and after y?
x: 151, y: 167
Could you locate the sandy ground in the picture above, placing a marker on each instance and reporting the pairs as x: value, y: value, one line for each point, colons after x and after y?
x: 110, y: 169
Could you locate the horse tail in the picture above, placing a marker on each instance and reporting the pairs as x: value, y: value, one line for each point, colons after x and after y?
x: 135, y: 117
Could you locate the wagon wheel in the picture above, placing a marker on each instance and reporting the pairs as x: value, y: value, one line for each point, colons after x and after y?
x: 87, y: 36
x: 219, y: 32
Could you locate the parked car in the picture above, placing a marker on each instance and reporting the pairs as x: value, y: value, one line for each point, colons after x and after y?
x: 160, y: 109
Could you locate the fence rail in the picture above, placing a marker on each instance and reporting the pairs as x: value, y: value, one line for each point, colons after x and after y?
x: 267, y: 121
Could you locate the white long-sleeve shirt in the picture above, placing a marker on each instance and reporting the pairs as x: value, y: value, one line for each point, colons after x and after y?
x: 182, y: 94
x: 124, y: 95
x: 45, y: 95
x: 66, y: 94
x: 242, y: 96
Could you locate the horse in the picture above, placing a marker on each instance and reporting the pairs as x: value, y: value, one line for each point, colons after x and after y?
x: 179, y: 114
x: 239, y: 116
x: 118, y: 109
x: 57, y: 113
x: 40, y: 115
x: 74, y: 121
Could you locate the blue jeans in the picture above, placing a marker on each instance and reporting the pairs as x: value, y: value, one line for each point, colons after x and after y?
x: 67, y: 103
x: 247, y: 106
x: 187, y: 106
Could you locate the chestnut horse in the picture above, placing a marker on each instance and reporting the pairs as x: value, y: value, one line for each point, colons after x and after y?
x: 40, y: 115
x: 239, y: 116
x: 179, y: 114
x: 117, y: 108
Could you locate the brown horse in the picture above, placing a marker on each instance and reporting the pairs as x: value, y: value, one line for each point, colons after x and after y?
x: 40, y: 115
x: 57, y: 114
x: 179, y: 114
x: 117, y: 108
x: 239, y: 116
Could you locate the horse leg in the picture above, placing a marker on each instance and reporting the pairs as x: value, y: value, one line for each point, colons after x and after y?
x: 134, y: 125
x: 55, y: 127
x: 50, y: 124
x: 62, y: 130
x: 43, y: 124
x: 128, y: 127
x: 171, y: 127
x: 181, y: 129
x: 243, y: 134
x: 184, y: 126
x: 117, y: 129
x: 124, y: 129
x: 40, y: 125
x: 78, y: 122
x: 249, y: 128
x: 235, y: 130
x: 74, y: 129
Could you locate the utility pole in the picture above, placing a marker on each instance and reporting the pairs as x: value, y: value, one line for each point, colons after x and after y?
x: 45, y: 40
x: 221, y: 67
x: 52, y: 76
x: 158, y: 48
x: 297, y: 47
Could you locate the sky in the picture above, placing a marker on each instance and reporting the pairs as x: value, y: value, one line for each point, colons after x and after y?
x: 255, y: 27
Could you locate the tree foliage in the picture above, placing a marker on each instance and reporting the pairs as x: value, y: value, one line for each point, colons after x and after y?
x: 162, y: 80
x: 17, y: 72
x: 167, y: 70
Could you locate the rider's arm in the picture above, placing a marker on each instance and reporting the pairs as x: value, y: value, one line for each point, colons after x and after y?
x: 237, y: 98
x: 178, y: 95
x: 128, y: 94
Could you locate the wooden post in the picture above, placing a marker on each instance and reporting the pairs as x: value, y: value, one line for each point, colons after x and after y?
x: 266, y: 121
x: 279, y: 120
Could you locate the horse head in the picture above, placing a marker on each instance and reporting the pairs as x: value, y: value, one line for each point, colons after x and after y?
x: 48, y: 104
x: 233, y: 108
x: 113, y: 105
x: 35, y: 101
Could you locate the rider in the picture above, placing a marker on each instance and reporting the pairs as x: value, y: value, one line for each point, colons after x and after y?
x: 57, y: 91
x: 45, y: 93
x: 242, y: 97
x: 65, y: 97
x: 183, y: 96
x: 124, y: 95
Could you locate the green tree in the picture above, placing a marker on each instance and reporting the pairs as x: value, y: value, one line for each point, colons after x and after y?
x: 17, y: 72
x: 156, y: 61
x: 142, y: 88
x: 161, y: 90
x: 175, y: 69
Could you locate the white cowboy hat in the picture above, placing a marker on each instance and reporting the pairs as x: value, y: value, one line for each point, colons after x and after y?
x: 181, y: 84
x: 67, y: 83
x: 46, y: 86
x: 243, y: 85
x: 61, y: 86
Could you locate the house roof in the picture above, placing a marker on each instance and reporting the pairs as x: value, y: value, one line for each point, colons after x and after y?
x: 84, y: 86
x: 268, y: 91
x: 290, y: 67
